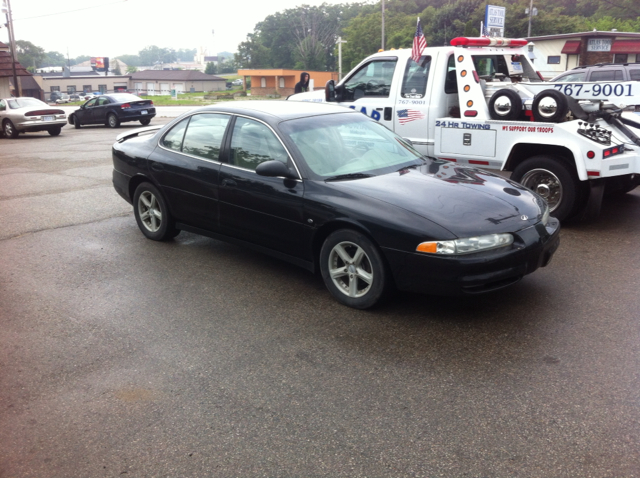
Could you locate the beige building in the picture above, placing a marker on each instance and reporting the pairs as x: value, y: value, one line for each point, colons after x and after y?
x: 554, y: 54
x: 161, y: 82
x: 80, y: 79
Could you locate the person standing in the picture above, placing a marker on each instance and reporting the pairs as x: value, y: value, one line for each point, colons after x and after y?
x: 303, y: 85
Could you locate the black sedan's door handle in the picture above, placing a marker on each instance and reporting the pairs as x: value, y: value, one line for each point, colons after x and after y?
x: 229, y: 183
x: 157, y: 166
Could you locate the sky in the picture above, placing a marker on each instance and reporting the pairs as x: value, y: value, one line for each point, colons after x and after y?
x: 120, y: 27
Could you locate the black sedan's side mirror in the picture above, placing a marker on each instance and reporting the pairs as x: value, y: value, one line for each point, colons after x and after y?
x: 275, y: 169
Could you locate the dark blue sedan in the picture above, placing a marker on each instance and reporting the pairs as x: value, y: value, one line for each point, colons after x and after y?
x: 113, y: 109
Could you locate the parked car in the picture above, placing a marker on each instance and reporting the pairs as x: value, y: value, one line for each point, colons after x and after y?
x: 113, y: 109
x: 29, y: 115
x: 330, y: 189
x: 237, y: 82
x: 75, y: 97
x: 54, y: 96
x: 601, y: 72
x: 64, y: 98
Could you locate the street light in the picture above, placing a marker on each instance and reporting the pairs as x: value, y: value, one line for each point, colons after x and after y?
x: 340, y: 42
x: 532, y: 12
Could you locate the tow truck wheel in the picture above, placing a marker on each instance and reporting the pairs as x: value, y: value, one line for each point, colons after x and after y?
x: 554, y: 181
x: 506, y: 105
x: 550, y: 106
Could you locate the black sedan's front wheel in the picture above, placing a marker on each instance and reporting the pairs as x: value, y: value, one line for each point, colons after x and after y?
x: 353, y: 269
x: 152, y: 213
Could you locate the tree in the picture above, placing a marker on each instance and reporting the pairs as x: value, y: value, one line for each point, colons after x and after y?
x: 30, y: 54
x: 152, y: 54
x: 132, y: 69
x: 132, y: 60
x: 210, y: 69
x: 53, y: 58
x: 117, y: 69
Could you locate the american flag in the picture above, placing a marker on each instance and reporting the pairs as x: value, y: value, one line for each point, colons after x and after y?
x: 419, y: 43
x: 405, y: 116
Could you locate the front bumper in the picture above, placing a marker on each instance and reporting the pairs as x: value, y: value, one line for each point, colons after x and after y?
x: 476, y: 273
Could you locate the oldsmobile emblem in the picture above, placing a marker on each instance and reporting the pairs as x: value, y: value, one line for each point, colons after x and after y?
x: 524, y: 218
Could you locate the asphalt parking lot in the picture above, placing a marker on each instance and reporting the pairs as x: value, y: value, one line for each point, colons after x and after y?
x: 120, y: 356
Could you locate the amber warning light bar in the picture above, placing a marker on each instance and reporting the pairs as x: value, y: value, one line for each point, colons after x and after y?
x: 488, y: 41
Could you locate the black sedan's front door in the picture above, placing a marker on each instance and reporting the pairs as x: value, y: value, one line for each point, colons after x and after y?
x: 262, y: 210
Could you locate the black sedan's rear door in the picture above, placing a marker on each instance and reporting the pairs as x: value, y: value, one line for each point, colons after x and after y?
x: 186, y: 165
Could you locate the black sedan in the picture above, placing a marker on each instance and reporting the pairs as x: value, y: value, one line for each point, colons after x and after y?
x: 330, y: 189
x: 113, y: 109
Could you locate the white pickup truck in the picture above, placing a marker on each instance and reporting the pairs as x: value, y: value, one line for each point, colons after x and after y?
x: 480, y: 102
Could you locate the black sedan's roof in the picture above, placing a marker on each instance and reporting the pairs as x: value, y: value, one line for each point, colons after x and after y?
x: 279, y: 110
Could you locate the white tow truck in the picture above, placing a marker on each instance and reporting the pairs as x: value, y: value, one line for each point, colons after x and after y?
x: 480, y: 102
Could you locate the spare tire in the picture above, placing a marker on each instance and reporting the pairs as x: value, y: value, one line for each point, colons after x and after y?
x: 506, y: 105
x: 550, y: 106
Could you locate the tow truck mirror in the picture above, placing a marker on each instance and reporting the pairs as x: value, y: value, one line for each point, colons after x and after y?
x: 330, y: 91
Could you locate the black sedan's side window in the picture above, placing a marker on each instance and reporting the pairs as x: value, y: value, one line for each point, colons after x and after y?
x: 173, y: 139
x: 253, y: 143
x: 91, y: 103
x: 204, y: 135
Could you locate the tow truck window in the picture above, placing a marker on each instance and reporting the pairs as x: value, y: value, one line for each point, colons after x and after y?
x: 371, y: 80
x: 414, y: 82
x: 501, y: 67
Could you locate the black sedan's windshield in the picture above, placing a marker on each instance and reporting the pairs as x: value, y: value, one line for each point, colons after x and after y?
x: 348, y: 146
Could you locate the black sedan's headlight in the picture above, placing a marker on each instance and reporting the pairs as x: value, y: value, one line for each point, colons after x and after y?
x: 467, y: 245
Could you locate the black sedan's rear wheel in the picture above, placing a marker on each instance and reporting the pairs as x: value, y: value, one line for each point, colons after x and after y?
x: 152, y: 213
x: 353, y: 269
x: 9, y: 129
x: 145, y: 122
x: 112, y: 121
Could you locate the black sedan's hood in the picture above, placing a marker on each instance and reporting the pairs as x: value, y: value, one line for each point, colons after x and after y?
x: 465, y: 201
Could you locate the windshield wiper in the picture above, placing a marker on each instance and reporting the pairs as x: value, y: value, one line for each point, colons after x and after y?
x: 341, y: 177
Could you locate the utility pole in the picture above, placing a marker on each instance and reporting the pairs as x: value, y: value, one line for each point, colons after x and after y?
x: 382, y: 25
x: 6, y: 8
x: 340, y: 42
x: 530, y: 15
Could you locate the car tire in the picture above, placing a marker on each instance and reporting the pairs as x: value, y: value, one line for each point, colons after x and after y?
x: 553, y: 180
x: 55, y: 131
x: 152, y: 214
x: 505, y: 105
x: 9, y: 129
x: 353, y: 269
x: 76, y: 122
x: 145, y: 122
x: 112, y: 121
x: 550, y: 106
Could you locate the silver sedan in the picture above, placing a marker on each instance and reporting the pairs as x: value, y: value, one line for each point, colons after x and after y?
x: 23, y: 115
